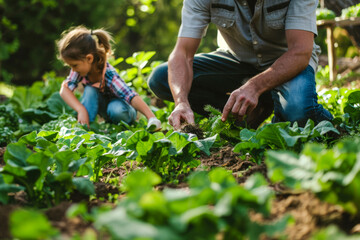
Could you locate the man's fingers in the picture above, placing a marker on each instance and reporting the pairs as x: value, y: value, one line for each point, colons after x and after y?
x: 227, y: 108
x: 189, y: 118
x: 243, y: 110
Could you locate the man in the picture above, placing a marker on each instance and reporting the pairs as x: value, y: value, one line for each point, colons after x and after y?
x: 266, y: 59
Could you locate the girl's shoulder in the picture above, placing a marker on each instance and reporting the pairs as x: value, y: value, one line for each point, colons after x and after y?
x: 110, y: 71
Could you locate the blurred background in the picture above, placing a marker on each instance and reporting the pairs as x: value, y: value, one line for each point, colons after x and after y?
x: 29, y: 29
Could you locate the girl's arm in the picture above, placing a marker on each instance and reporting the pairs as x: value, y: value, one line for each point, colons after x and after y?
x: 138, y: 103
x: 68, y: 96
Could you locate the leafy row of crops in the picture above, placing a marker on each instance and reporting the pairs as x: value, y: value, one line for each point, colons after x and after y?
x: 50, y: 159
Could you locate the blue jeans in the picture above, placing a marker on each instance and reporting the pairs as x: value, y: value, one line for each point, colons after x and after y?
x: 111, y: 109
x: 218, y: 73
x: 296, y: 100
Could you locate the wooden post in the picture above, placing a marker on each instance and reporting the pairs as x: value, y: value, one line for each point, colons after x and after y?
x: 331, y: 52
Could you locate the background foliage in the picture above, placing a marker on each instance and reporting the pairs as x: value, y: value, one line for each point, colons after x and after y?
x: 28, y: 30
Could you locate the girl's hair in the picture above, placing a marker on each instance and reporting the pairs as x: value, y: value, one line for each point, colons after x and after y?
x: 77, y: 42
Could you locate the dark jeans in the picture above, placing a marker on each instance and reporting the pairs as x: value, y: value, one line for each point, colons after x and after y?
x: 218, y: 73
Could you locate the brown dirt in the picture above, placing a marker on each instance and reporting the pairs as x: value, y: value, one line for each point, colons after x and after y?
x: 5, y: 212
x: 2, y: 151
x: 309, y: 213
x: 191, y: 128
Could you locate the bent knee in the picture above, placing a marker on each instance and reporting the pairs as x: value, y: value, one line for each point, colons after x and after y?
x: 119, y: 114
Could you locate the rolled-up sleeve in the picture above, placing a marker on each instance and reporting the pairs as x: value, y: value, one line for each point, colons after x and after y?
x: 301, y: 15
x: 195, y: 18
x: 72, y: 80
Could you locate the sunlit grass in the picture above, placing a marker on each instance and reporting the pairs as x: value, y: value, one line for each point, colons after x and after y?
x: 6, y: 90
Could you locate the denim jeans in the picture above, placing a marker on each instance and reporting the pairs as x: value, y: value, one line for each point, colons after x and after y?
x: 218, y: 73
x: 111, y: 109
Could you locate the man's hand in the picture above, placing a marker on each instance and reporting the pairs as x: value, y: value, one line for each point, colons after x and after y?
x: 182, y: 112
x: 241, y: 102
x: 83, y: 117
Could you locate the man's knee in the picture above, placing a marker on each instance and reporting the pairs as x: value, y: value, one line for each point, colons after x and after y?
x: 158, y: 82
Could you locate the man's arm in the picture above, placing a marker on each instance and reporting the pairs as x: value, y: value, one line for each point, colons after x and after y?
x: 180, y: 79
x: 244, y: 99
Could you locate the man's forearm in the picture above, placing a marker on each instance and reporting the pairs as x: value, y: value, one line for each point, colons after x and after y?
x: 285, y: 68
x: 180, y: 78
x: 290, y: 64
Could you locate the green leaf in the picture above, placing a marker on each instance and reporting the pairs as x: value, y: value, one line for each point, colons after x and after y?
x: 30, y: 224
x: 324, y: 127
x: 64, y: 158
x: 179, y: 140
x: 57, y: 105
x: 37, y: 115
x: 16, y: 154
x: 205, y: 144
x: 84, y: 185
x: 7, y: 188
x: 272, y: 135
x: 247, y: 135
x: 140, y: 181
x: 244, y: 147
x: 121, y: 225
x: 294, y: 171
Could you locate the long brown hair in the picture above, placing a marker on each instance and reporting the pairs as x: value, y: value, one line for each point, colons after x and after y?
x: 77, y: 42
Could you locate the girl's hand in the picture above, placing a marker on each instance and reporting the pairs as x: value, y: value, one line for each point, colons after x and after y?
x: 154, y: 124
x: 83, y: 117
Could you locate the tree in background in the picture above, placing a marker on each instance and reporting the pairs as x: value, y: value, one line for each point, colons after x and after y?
x: 29, y: 28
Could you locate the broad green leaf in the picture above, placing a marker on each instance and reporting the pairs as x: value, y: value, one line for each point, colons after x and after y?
x: 30, y: 224
x: 295, y: 171
x: 37, y: 115
x: 179, y: 140
x: 324, y: 127
x: 29, y: 138
x: 16, y: 154
x: 57, y: 105
x: 205, y: 144
x: 7, y: 188
x: 290, y: 140
x: 244, y: 147
x: 122, y: 226
x: 247, y: 135
x: 140, y: 181
x: 272, y: 135
x: 84, y: 185
x: 63, y: 160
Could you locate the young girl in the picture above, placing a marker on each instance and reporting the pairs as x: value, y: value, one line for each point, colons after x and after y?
x: 105, y: 93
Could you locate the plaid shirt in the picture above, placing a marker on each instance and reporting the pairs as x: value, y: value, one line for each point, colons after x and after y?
x: 113, y: 82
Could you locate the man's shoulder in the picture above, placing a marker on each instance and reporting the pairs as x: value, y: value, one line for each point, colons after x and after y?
x: 198, y: 4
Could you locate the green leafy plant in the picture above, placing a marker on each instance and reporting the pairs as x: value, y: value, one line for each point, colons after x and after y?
x: 137, y: 75
x: 169, y: 155
x: 31, y: 224
x: 52, y: 172
x: 324, y: 14
x: 9, y: 123
x: 353, y: 11
x: 280, y: 136
x: 228, y: 130
x: 333, y: 174
x: 213, y: 205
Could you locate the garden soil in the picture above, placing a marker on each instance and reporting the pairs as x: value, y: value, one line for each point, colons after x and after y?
x: 308, y: 212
